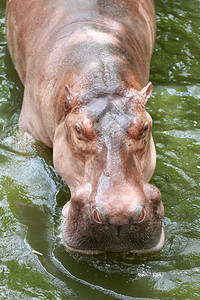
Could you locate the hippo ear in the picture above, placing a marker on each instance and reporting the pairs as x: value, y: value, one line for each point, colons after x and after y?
x: 147, y: 91
x: 70, y: 97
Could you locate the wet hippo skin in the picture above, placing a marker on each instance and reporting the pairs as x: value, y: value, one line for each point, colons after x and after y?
x: 85, y: 68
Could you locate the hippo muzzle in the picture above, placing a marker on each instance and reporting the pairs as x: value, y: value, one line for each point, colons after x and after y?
x: 119, y: 223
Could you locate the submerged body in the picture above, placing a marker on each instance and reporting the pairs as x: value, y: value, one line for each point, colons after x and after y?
x: 85, y: 67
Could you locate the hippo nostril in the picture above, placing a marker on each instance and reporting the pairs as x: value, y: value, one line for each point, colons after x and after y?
x: 96, y: 216
x: 142, y: 216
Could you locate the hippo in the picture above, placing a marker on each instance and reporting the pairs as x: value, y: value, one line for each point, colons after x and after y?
x: 85, y: 68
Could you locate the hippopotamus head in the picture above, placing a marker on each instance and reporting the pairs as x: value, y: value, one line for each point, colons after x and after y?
x: 105, y: 152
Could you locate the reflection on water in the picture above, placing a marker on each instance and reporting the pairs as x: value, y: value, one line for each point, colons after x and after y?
x: 32, y: 195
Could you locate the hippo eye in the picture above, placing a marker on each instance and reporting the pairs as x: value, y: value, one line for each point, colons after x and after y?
x: 65, y: 105
x: 146, y: 127
x: 84, y: 129
x: 77, y: 128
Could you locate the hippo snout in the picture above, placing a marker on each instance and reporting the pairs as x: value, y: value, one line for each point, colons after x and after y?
x: 135, y: 216
x: 127, y: 220
x: 125, y: 205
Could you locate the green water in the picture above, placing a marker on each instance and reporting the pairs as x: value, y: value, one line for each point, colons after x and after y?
x: 32, y: 195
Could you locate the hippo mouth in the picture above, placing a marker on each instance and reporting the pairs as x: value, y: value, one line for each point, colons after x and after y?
x: 153, y: 249
x: 90, y: 240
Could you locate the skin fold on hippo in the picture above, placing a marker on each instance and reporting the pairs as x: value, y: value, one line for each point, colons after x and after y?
x: 85, y: 67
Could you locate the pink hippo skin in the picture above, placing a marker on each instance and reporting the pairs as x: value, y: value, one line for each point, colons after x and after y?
x: 85, y: 67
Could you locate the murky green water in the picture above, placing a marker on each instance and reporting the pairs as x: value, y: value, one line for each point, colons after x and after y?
x: 32, y: 195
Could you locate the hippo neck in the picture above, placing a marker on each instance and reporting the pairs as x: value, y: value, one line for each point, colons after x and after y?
x: 111, y: 52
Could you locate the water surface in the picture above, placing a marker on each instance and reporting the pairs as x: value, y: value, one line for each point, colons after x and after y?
x: 32, y: 195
